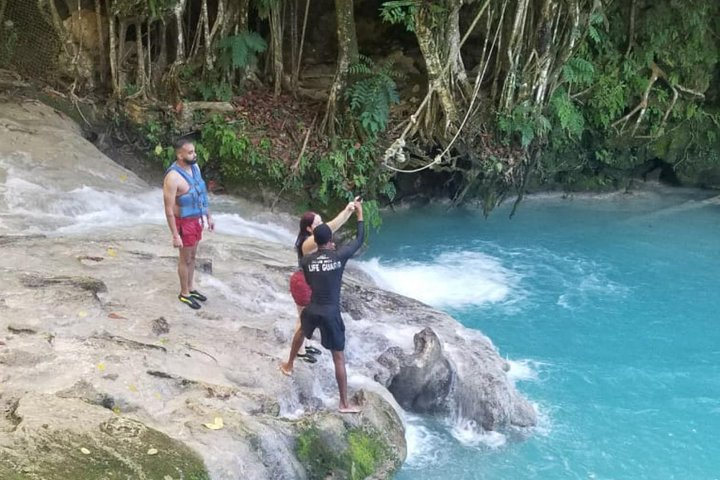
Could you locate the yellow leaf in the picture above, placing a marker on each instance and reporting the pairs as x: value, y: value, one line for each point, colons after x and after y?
x: 112, y: 252
x: 216, y: 425
x: 132, y: 387
x: 82, y: 314
x: 101, y: 366
x: 85, y: 451
x: 123, y: 178
x: 157, y: 395
x: 116, y: 410
x: 152, y: 451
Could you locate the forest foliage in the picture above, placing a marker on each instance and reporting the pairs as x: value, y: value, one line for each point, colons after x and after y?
x: 507, y: 96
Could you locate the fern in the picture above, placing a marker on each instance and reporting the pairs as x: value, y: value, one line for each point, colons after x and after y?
x: 399, y: 12
x: 570, y: 118
x: 371, y: 94
x: 578, y: 71
x: 240, y: 51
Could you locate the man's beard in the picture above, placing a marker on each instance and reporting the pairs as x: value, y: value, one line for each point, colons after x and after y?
x: 192, y: 161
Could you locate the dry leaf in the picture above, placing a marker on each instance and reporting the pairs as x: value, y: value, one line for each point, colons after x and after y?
x: 216, y: 425
x: 132, y: 387
x: 152, y: 451
x: 85, y: 451
x: 101, y: 366
x: 112, y: 252
x: 82, y: 314
x: 116, y: 316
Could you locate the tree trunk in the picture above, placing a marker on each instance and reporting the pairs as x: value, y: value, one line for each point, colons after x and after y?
x: 458, y: 75
x: 347, y: 55
x: 122, y: 77
x: 140, y: 77
x: 437, y: 77
x: 296, y: 72
x: 205, y: 25
x: 514, y: 50
x: 276, y: 30
x: 179, y: 10
x: 113, y: 47
x: 544, y: 49
x: 102, y: 66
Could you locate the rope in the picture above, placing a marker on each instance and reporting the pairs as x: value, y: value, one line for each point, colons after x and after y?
x: 395, y: 150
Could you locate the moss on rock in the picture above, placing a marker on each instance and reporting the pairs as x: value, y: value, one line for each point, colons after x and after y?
x: 356, y: 457
x: 84, y: 442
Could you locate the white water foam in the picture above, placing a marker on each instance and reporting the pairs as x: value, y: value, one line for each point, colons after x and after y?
x: 450, y: 280
x: 234, y: 224
x: 425, y: 447
x: 523, y: 370
x: 470, y: 434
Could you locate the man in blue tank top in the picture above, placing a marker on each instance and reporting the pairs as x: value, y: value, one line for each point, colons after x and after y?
x: 186, y: 208
x: 324, y: 271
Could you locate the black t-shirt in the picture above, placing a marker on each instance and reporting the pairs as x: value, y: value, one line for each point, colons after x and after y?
x: 324, y: 269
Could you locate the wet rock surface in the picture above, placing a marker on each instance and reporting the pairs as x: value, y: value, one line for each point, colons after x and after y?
x: 96, y: 353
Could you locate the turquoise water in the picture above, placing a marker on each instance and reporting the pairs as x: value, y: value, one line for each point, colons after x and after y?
x: 607, y: 308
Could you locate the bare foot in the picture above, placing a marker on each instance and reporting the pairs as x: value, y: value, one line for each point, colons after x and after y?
x: 285, y: 370
x: 350, y: 408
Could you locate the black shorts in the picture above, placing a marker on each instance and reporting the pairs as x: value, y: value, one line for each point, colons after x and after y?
x: 328, y: 319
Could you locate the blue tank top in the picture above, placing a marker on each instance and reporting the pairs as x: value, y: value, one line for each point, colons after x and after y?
x: 193, y: 203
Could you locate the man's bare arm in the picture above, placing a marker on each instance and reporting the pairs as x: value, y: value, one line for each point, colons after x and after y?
x: 170, y: 187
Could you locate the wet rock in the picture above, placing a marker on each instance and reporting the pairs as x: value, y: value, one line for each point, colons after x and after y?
x: 59, y: 439
x: 370, y: 444
x: 421, y: 381
x: 36, y: 280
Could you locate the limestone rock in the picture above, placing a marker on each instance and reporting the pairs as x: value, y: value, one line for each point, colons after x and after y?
x: 420, y: 382
x: 59, y: 439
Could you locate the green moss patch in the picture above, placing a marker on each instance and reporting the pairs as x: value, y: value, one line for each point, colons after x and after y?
x: 356, y: 460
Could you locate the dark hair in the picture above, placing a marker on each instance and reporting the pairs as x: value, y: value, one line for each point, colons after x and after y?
x: 322, y: 234
x: 306, y: 221
x: 181, y: 142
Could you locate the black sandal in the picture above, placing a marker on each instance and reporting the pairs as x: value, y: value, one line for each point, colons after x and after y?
x: 189, y: 301
x: 306, y: 357
x: 197, y: 295
x: 312, y: 350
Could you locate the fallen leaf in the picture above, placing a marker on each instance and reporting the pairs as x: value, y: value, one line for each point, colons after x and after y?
x: 116, y: 316
x: 157, y: 395
x: 101, y: 366
x: 216, y: 425
x: 82, y: 314
x: 85, y: 451
x: 152, y: 451
x: 123, y: 178
x: 116, y: 410
x: 132, y: 387
x: 112, y: 252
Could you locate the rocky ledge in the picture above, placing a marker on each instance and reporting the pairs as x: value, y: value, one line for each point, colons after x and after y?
x: 105, y: 374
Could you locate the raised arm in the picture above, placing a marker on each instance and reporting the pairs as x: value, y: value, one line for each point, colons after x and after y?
x: 309, y: 244
x: 341, y: 217
x: 349, y: 250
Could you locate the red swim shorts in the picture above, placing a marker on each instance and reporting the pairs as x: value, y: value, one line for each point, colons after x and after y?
x: 299, y: 289
x: 190, y: 230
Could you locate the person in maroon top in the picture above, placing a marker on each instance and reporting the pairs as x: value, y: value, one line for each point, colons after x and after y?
x: 323, y: 271
x: 304, y: 244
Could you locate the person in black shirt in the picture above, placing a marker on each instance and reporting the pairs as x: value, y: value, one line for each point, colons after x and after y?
x: 323, y: 271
